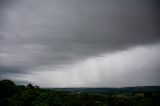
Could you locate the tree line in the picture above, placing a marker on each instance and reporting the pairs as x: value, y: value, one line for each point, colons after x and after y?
x: 30, y: 95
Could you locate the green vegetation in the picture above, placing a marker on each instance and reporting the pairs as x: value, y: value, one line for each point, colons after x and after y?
x: 15, y: 95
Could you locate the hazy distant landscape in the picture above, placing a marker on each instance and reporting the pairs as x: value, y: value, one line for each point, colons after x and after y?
x: 109, y: 90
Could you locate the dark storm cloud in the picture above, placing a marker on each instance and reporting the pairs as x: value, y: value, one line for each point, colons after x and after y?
x: 53, y: 32
x: 157, y: 13
x: 125, y: 24
x: 4, y: 70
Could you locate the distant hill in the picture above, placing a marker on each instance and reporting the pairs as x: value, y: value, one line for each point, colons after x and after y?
x: 110, y: 90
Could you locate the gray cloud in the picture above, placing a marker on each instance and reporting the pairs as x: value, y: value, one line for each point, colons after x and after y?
x: 138, y: 66
x: 55, y: 32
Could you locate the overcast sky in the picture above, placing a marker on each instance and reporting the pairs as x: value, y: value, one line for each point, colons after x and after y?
x: 80, y: 43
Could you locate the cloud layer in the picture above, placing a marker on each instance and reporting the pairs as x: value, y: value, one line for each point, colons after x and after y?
x: 124, y: 68
x: 37, y: 34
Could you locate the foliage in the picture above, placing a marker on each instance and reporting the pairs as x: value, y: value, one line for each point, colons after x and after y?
x: 19, y: 95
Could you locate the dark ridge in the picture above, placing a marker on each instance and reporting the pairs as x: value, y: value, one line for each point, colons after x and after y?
x: 110, y: 90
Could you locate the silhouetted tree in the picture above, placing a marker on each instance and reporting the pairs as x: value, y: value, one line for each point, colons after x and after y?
x: 30, y: 86
x: 7, y: 88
